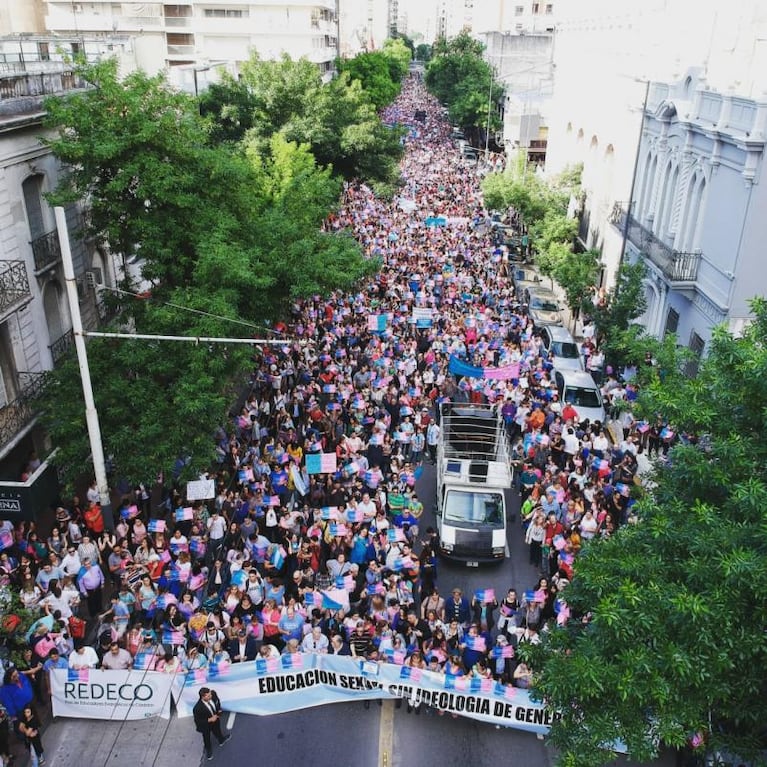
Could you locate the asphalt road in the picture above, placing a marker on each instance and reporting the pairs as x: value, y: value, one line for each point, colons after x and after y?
x: 348, y: 734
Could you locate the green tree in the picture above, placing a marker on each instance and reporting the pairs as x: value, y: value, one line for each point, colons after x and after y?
x: 666, y: 638
x: 577, y: 273
x: 624, y: 303
x: 337, y: 119
x: 138, y: 151
x: 374, y: 72
x: 229, y: 107
x: 229, y: 232
x: 399, y: 50
x: 460, y: 78
x: 423, y: 52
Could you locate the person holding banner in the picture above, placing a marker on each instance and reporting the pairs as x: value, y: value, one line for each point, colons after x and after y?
x: 207, y: 720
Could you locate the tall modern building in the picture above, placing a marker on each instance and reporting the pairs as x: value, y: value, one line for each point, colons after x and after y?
x: 190, y: 38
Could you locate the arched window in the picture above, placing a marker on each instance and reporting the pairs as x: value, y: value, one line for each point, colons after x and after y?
x: 692, y: 221
x: 667, y: 225
x: 660, y: 208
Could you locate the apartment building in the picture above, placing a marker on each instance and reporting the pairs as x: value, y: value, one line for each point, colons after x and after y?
x: 35, y: 325
x: 696, y: 217
x: 700, y: 154
x: 191, y: 39
x: 363, y: 25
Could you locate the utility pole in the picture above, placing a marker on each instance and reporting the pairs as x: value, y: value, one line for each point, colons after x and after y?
x: 91, y: 416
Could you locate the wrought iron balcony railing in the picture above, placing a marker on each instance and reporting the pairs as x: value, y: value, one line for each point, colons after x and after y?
x: 14, y: 284
x: 46, y: 250
x: 676, y: 266
x: 61, y: 346
x: 24, y: 409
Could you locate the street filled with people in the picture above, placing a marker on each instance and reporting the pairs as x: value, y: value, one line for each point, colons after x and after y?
x: 315, y: 541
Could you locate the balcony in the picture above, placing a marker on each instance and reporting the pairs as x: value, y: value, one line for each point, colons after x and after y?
x: 22, y: 411
x: 14, y: 284
x: 46, y: 251
x: 675, y: 265
x: 179, y: 21
x: 61, y: 346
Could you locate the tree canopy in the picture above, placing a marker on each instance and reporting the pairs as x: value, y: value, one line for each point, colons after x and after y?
x: 462, y: 80
x: 230, y: 231
x: 377, y: 73
x: 666, y: 642
x: 543, y: 207
x: 337, y: 120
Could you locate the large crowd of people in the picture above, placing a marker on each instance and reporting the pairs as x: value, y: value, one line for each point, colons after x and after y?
x: 285, y: 559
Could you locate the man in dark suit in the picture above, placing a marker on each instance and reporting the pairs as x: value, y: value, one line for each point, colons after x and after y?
x: 207, y: 719
x: 243, y: 647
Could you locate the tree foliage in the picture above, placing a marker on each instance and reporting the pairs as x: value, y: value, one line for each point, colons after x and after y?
x: 576, y: 273
x: 230, y: 231
x: 337, y: 120
x: 543, y: 209
x: 668, y: 634
x: 399, y: 50
x: 377, y: 73
x: 423, y: 52
x: 624, y: 303
x: 462, y: 80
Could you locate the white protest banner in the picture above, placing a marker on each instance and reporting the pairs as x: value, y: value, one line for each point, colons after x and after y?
x: 302, y: 680
x: 422, y: 317
x: 200, y: 490
x: 115, y: 695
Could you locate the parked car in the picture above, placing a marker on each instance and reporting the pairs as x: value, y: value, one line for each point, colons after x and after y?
x: 543, y: 307
x: 469, y: 153
x: 581, y: 392
x: 524, y: 279
x: 561, y: 347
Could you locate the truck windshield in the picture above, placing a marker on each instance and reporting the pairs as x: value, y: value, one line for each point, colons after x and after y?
x: 474, y: 508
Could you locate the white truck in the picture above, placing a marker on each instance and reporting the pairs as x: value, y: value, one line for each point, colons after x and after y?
x: 473, y: 474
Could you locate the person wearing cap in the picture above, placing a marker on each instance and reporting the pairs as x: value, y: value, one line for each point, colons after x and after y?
x: 207, y: 719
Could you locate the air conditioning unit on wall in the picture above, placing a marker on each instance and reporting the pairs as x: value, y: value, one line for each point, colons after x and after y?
x: 94, y: 278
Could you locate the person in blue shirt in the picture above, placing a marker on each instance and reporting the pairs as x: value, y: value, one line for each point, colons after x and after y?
x: 55, y: 661
x: 16, y: 692
x: 291, y: 625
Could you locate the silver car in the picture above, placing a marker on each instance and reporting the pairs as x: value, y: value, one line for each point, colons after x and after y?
x: 543, y: 307
x: 561, y: 347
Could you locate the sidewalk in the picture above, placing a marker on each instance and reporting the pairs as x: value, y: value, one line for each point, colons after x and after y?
x: 153, y: 742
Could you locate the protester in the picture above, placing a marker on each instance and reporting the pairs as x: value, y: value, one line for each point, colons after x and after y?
x: 311, y: 543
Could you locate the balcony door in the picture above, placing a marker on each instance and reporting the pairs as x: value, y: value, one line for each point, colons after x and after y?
x: 8, y: 375
x: 33, y: 202
x: 52, y: 308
